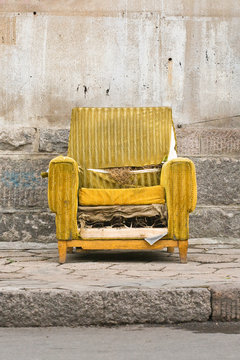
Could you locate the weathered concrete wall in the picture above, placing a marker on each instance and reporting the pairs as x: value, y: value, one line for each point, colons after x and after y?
x: 55, y: 55
x: 59, y: 54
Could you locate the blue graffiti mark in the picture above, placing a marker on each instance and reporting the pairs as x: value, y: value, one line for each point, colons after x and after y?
x: 17, y: 179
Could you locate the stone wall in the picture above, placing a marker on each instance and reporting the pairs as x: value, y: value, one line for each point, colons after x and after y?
x: 55, y: 55
x: 27, y: 152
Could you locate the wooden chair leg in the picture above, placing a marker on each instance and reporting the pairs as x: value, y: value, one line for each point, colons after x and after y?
x: 170, y: 249
x: 183, y: 248
x: 62, y: 251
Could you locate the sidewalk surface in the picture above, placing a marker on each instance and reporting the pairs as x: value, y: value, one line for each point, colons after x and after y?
x: 119, y: 287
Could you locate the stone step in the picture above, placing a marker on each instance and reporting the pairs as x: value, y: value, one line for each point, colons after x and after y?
x: 62, y: 307
x: 103, y: 307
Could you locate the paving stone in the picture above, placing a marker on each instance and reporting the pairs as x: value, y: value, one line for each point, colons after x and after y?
x: 229, y: 272
x: 11, y: 276
x: 18, y: 139
x: 212, y: 258
x: 192, y: 250
x: 53, y: 140
x: 221, y: 266
x: 226, y: 251
x: 43, y: 251
x: 21, y: 245
x: 238, y: 260
x: 12, y: 253
x: 191, y: 266
x: 10, y: 269
x: 29, y: 258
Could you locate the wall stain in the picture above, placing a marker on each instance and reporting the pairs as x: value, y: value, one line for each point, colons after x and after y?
x: 207, y: 58
x: 8, y: 30
x: 170, y: 68
x: 15, y: 179
x: 85, y: 90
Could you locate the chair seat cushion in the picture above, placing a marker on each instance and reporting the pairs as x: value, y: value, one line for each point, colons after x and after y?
x: 129, y: 196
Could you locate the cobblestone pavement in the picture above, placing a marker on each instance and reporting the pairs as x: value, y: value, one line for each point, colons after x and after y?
x: 35, y: 266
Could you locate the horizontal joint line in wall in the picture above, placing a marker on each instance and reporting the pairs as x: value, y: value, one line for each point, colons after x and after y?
x: 231, y: 206
x: 25, y: 210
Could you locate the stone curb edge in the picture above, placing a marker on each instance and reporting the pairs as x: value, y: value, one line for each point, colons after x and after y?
x: 55, y: 307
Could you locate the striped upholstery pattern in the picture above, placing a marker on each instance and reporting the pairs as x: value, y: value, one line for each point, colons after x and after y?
x: 98, y: 180
x: 118, y: 137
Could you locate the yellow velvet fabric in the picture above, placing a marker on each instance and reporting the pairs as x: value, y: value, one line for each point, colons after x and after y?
x: 62, y: 196
x: 103, y: 138
x: 105, y: 181
x: 179, y: 180
x: 133, y: 196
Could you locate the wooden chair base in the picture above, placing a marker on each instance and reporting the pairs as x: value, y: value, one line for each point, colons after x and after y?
x: 62, y: 251
x: 183, y: 248
x: 66, y: 246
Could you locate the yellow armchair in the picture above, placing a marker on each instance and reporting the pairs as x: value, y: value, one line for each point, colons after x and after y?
x: 136, y: 139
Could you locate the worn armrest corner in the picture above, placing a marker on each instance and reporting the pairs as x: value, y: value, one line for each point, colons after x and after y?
x: 63, y: 182
x: 179, y: 180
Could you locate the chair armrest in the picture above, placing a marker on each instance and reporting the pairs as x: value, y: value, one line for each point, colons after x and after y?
x: 62, y: 195
x: 178, y: 177
x: 44, y: 174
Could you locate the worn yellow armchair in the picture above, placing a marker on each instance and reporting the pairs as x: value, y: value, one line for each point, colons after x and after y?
x: 122, y: 164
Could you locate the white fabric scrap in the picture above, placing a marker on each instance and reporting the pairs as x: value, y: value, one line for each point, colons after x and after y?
x: 172, y: 153
x: 153, y: 239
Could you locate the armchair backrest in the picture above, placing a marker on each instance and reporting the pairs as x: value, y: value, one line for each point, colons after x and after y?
x: 119, y: 137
